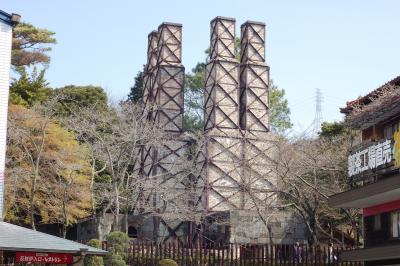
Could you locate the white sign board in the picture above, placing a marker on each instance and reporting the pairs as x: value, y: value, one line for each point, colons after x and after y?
x: 370, y: 158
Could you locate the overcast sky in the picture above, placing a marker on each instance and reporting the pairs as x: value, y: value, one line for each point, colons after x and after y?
x: 345, y: 48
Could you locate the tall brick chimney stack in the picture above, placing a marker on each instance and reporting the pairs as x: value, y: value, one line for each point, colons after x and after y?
x: 257, y: 142
x: 149, y: 74
x: 169, y: 78
x: 222, y: 78
x: 221, y: 109
x: 163, y: 97
x: 254, y: 78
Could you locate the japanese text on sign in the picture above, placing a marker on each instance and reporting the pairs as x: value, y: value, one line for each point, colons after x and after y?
x: 46, y: 258
x: 370, y: 158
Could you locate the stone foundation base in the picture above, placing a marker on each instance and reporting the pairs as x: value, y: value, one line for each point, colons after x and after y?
x: 236, y: 226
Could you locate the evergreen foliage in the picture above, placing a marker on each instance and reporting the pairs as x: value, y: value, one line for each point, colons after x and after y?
x: 279, y: 111
x: 43, y: 154
x: 136, y: 93
x: 118, y: 242
x: 75, y: 97
x: 115, y: 260
x: 330, y: 129
x: 94, y: 260
x: 29, y: 89
x: 31, y: 45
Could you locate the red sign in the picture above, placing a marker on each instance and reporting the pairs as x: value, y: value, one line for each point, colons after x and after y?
x: 47, y: 258
x: 385, y: 207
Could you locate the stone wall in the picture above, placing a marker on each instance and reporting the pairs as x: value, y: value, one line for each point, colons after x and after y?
x: 247, y: 227
x: 99, y: 227
x: 147, y: 228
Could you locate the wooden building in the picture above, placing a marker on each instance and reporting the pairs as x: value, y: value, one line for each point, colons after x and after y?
x: 373, y: 170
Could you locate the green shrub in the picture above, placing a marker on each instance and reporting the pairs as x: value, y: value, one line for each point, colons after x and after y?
x: 94, y: 243
x: 115, y: 260
x: 118, y: 241
x: 94, y: 260
x: 167, y: 262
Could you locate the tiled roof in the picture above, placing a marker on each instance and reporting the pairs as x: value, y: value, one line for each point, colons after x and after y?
x: 364, y: 100
x: 5, y: 17
x: 17, y: 238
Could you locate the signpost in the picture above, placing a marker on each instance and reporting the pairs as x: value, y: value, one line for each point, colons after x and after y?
x: 46, y: 258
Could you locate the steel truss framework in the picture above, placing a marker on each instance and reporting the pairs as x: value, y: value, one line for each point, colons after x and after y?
x: 258, y: 145
x: 163, y: 100
x: 235, y: 114
x: 236, y: 118
x: 254, y: 78
x: 221, y: 107
x: 169, y: 79
x: 148, y: 79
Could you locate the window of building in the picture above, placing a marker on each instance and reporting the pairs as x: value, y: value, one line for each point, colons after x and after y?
x: 390, y: 129
x: 377, y: 222
x: 388, y: 133
x: 395, y: 224
x: 367, y: 134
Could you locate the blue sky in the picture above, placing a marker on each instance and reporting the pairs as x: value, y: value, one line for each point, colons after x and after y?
x: 345, y: 48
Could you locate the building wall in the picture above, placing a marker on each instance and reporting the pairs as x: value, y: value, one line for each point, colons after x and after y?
x: 374, y: 236
x: 379, y: 236
x: 5, y: 61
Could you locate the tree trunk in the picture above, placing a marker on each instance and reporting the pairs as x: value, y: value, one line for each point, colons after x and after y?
x: 116, y: 226
x: 32, y: 203
x: 64, y: 232
x: 156, y: 227
x: 99, y: 222
x: 65, y: 214
x: 91, y: 188
x: 271, y: 240
x: 126, y: 222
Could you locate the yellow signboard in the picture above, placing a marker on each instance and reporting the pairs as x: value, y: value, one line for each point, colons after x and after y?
x: 396, y: 148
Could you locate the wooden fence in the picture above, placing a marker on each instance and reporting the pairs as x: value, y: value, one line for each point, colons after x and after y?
x: 145, y: 253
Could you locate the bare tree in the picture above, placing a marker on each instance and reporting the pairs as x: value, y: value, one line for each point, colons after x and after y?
x: 309, y: 170
x: 297, y: 174
x: 116, y: 138
x: 277, y: 173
